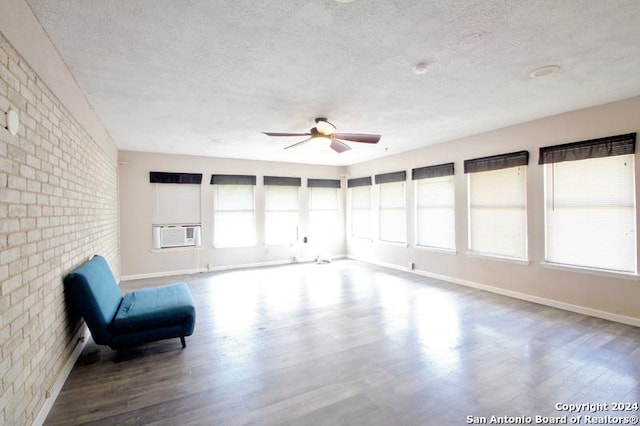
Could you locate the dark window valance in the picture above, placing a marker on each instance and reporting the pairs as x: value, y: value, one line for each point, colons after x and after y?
x: 432, y: 171
x: 282, y: 181
x: 164, y: 177
x: 323, y: 183
x: 356, y: 182
x: 593, y: 148
x: 391, y: 177
x: 233, y: 180
x: 496, y: 162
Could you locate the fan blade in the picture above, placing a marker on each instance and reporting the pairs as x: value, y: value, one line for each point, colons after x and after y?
x: 299, y: 143
x: 357, y: 137
x: 339, y: 146
x: 286, y: 134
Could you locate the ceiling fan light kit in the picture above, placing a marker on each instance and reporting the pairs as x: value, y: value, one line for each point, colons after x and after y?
x: 324, y: 130
x: 324, y: 127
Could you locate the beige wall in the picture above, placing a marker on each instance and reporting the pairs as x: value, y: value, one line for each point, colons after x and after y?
x: 136, y: 213
x: 58, y: 206
x: 602, y: 295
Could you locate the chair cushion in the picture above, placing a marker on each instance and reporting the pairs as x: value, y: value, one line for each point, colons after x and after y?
x: 155, y: 307
x: 97, y: 296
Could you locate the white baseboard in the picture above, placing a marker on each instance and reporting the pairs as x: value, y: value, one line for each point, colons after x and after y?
x: 223, y: 268
x: 610, y: 316
x: 161, y: 274
x: 54, y: 391
x: 253, y: 265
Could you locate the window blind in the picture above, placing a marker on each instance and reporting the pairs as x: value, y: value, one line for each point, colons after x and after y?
x: 590, y: 213
x: 435, y: 211
x: 497, y: 212
x: 392, y: 215
x: 176, y: 204
x: 361, y: 211
x: 323, y: 214
x: 281, y: 213
x: 233, y: 214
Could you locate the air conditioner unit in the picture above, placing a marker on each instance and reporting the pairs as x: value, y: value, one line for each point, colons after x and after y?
x: 176, y: 236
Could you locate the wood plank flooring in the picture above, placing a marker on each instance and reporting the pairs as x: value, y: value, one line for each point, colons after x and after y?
x: 354, y: 344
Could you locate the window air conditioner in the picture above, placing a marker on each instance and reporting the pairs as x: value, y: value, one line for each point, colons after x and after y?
x: 176, y: 236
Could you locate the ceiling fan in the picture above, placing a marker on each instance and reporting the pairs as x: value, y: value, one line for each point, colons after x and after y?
x: 326, y: 131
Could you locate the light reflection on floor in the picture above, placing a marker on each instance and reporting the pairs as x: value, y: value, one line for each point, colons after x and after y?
x: 272, y: 342
x: 244, y: 302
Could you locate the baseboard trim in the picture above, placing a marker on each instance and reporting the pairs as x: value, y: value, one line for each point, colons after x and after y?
x: 162, y: 274
x: 60, y: 380
x: 610, y: 316
x: 224, y: 268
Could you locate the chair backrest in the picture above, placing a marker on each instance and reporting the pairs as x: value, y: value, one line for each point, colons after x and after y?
x: 96, y: 294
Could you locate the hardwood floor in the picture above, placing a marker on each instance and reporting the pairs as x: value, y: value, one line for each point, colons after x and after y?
x: 351, y: 343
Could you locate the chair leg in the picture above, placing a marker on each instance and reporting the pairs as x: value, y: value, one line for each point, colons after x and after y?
x: 184, y: 344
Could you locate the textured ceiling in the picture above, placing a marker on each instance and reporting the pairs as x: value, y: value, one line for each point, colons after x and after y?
x: 206, y: 77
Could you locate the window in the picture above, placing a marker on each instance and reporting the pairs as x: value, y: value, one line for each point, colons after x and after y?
x: 590, y: 214
x: 360, y: 189
x: 392, y: 215
x: 435, y: 212
x: 233, y: 210
x: 281, y: 209
x: 497, y: 205
x: 323, y: 209
x: 176, y: 198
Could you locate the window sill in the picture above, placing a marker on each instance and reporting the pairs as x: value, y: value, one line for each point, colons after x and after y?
x: 591, y: 271
x: 499, y: 258
x: 436, y: 249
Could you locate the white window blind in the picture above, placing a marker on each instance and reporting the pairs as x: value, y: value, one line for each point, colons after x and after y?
x: 323, y: 214
x: 435, y: 218
x: 361, y: 212
x: 498, y: 213
x: 234, y: 216
x: 392, y: 215
x: 281, y: 214
x: 175, y: 204
x: 590, y: 213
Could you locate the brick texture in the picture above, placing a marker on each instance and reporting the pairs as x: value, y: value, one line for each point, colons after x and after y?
x: 58, y: 206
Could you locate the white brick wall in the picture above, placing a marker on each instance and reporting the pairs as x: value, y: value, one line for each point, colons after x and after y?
x: 58, y: 206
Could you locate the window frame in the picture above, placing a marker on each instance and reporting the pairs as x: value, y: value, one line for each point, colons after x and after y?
x: 217, y: 212
x: 322, y: 234
x: 360, y: 184
x: 270, y: 183
x: 384, y: 182
x: 491, y: 164
x: 593, y: 150
x: 420, y: 177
